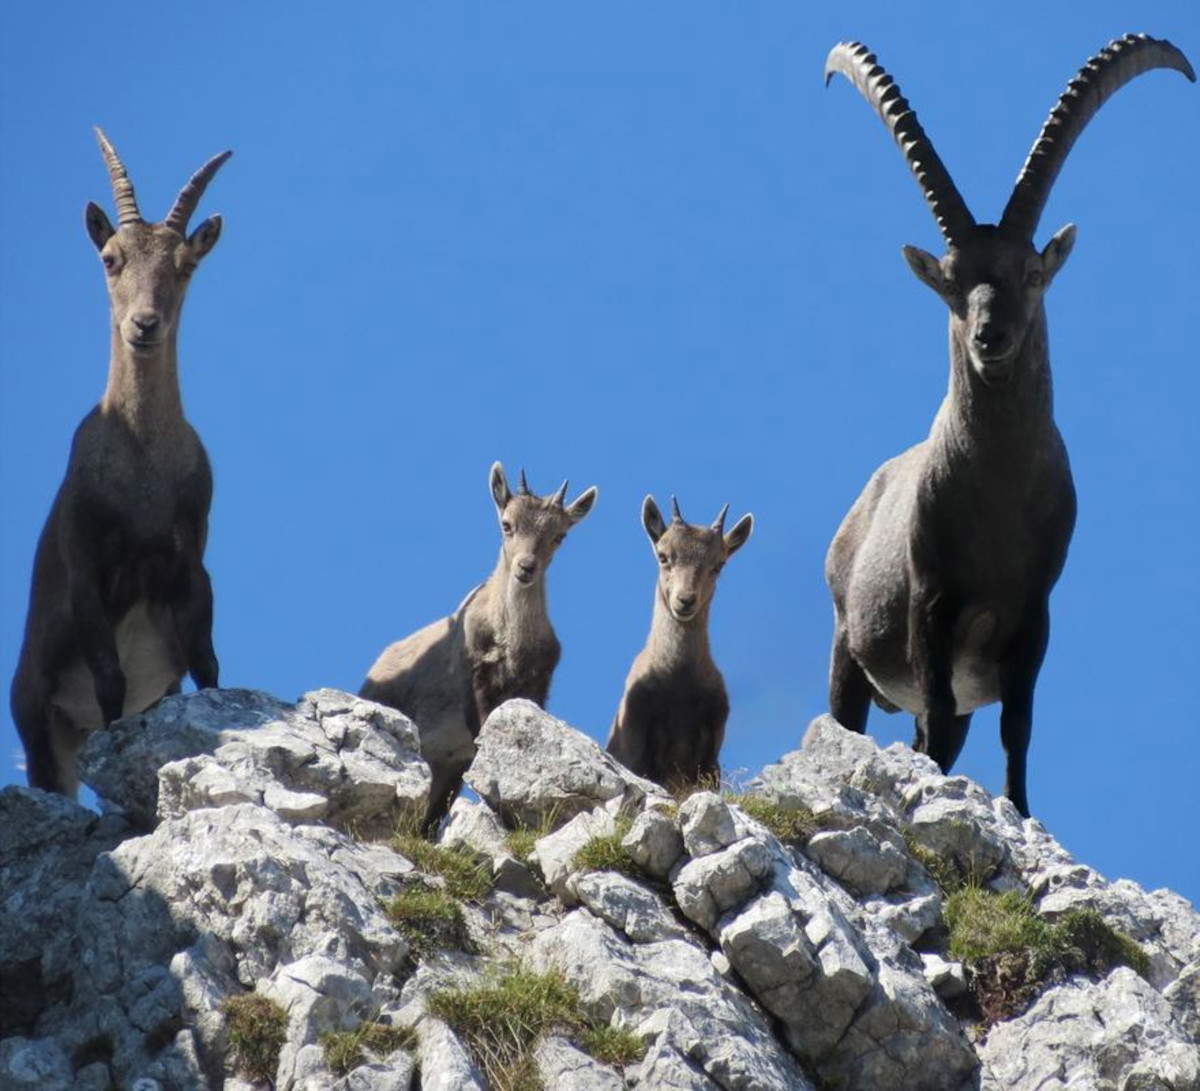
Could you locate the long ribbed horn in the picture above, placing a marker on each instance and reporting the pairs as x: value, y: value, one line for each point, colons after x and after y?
x: 676, y: 515
x: 1100, y: 78
x: 558, y: 498
x: 127, y: 206
x: 719, y: 522
x: 858, y: 64
x: 523, y: 487
x: 189, y: 197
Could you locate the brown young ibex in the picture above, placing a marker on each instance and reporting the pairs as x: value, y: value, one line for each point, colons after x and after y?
x: 497, y: 645
x: 942, y: 570
x: 121, y: 606
x: 671, y: 721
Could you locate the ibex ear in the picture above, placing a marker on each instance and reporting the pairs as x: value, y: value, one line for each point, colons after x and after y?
x: 927, y: 268
x: 1057, y: 251
x: 582, y: 504
x: 498, y: 483
x: 652, y: 520
x: 736, y: 538
x: 204, y: 238
x: 98, y: 228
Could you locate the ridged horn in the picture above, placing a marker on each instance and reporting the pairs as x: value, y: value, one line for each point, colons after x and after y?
x: 859, y: 65
x: 127, y: 206
x: 719, y: 522
x: 676, y: 515
x: 189, y: 197
x: 558, y: 498
x: 1099, y: 79
x: 523, y: 487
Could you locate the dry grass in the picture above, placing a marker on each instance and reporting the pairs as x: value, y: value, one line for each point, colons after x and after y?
x: 257, y: 1028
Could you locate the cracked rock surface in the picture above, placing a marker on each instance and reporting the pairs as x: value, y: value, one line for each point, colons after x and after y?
x: 250, y: 856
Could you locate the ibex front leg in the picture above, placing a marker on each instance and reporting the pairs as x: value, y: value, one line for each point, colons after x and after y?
x: 93, y: 628
x: 940, y: 731
x: 1018, y: 678
x: 193, y: 622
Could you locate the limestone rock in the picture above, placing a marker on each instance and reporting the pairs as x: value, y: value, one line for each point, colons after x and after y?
x: 530, y: 766
x: 331, y: 756
x: 654, y: 842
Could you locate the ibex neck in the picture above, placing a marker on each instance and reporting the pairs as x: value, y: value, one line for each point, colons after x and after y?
x: 975, y: 413
x: 143, y: 388
x: 515, y: 609
x: 675, y: 643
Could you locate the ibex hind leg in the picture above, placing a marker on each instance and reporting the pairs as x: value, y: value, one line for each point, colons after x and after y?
x: 850, y: 691
x: 945, y: 746
x: 65, y: 739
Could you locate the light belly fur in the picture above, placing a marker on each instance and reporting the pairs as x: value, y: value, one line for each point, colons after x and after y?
x: 150, y: 669
x: 975, y: 682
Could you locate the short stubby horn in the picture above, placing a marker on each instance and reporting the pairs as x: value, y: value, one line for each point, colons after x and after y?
x: 676, y: 515
x: 859, y: 65
x: 523, y: 487
x: 1094, y: 84
x: 127, y: 206
x: 189, y: 197
x: 719, y: 522
x: 558, y: 498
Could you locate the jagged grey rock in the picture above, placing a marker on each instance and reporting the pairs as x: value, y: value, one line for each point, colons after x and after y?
x: 48, y: 845
x: 1118, y: 1034
x: 654, y: 842
x: 530, y: 766
x: 701, y: 1015
x: 331, y: 756
x: 564, y: 1067
x: 738, y: 960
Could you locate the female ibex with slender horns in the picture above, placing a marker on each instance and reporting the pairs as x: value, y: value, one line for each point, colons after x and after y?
x: 121, y: 606
x: 498, y: 644
x: 941, y: 572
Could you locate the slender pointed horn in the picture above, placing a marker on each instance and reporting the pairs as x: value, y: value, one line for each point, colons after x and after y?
x: 1099, y: 79
x: 719, y: 521
x: 523, y: 488
x: 127, y: 206
x: 558, y: 498
x: 189, y: 197
x: 859, y: 65
x: 676, y: 515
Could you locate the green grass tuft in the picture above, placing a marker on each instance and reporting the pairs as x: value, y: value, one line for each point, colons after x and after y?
x: 792, y: 825
x: 501, y: 1020
x: 347, y: 1049
x: 257, y: 1028
x: 429, y: 919
x: 522, y: 838
x: 1012, y: 952
x: 611, y: 1045
x: 606, y: 853
x: 468, y: 877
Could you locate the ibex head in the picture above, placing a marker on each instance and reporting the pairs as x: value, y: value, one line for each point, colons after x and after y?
x: 992, y: 277
x: 533, y: 527
x: 690, y: 558
x: 147, y: 265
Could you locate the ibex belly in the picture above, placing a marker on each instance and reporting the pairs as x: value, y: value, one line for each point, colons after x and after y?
x: 148, y: 652
x: 975, y: 671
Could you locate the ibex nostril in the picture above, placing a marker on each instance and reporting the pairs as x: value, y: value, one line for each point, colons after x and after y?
x: 145, y: 322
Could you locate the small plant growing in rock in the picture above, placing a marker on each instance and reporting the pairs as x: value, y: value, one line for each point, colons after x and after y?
x: 501, y: 1021
x: 606, y: 853
x: 347, y: 1049
x: 1012, y: 952
x: 522, y: 837
x: 612, y: 1045
x: 429, y: 919
x: 467, y: 875
x: 793, y: 825
x: 257, y: 1028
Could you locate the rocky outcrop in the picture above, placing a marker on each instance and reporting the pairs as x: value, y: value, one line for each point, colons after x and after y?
x: 794, y: 938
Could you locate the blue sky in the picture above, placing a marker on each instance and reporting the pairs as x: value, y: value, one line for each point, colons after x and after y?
x: 638, y: 246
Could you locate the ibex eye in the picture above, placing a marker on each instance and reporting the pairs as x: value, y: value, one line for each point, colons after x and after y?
x: 109, y: 261
x: 506, y: 526
x: 662, y: 558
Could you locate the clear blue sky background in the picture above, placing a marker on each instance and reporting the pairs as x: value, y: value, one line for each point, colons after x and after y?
x: 640, y: 246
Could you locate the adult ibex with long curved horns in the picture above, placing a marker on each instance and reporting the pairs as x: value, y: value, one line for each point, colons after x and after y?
x: 671, y: 721
x: 941, y: 572
x: 121, y: 605
x: 499, y: 643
